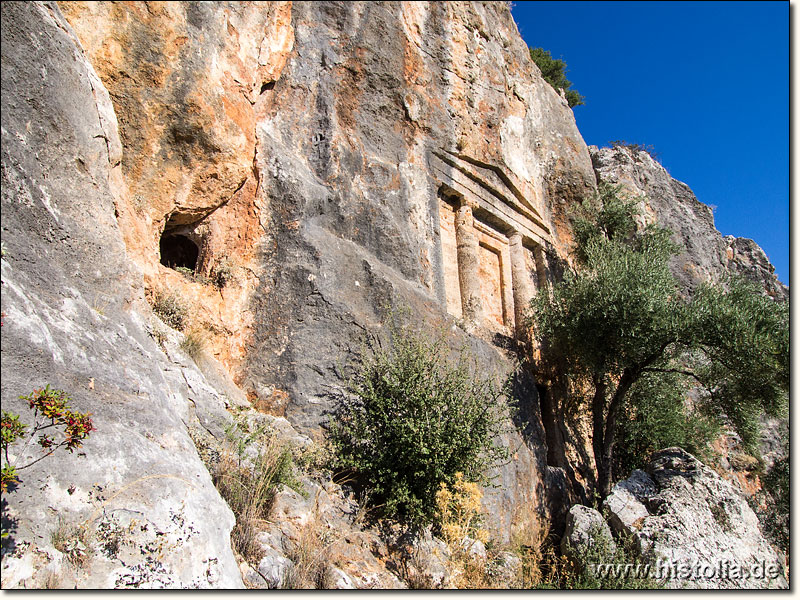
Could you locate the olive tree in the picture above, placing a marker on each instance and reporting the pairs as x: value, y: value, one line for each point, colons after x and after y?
x: 620, y: 318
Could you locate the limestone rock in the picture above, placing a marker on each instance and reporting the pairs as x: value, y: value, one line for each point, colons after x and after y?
x: 273, y: 567
x: 426, y: 560
x: 507, y: 569
x: 746, y: 258
x: 320, y: 526
x: 74, y: 317
x: 297, y: 144
x: 585, y: 529
x: 673, y: 205
x: 684, y: 516
x: 303, y: 152
x: 625, y: 503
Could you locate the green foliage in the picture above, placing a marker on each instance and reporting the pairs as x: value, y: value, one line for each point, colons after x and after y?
x: 412, y: 421
x: 772, y: 502
x: 554, y: 73
x: 776, y: 486
x: 51, y: 411
x: 621, y: 317
x: 610, y: 215
x: 193, y: 275
x: 587, y: 576
x: 622, y: 307
x: 743, y: 337
x: 659, y: 418
x: 186, y: 272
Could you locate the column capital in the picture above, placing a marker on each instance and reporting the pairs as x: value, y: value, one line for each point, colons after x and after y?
x: 464, y: 202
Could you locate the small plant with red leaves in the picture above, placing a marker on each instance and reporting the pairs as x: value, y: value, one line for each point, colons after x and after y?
x: 54, y: 426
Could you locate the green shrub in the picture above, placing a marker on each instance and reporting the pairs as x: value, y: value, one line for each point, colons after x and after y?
x: 554, y: 73
x: 186, y: 272
x: 170, y: 310
x: 621, y: 318
x: 55, y: 426
x: 51, y: 411
x: 771, y: 503
x: 412, y: 421
x: 590, y: 574
x: 193, y: 275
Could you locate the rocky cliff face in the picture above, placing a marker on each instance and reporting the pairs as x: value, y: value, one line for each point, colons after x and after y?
x: 310, y: 165
x: 693, y: 526
x: 670, y: 203
x: 74, y: 317
x: 300, y: 145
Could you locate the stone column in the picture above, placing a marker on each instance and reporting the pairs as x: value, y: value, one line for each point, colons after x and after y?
x: 541, y: 267
x: 468, y: 265
x: 520, y: 282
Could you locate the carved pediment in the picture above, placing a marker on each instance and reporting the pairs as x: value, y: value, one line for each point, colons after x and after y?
x: 494, y: 193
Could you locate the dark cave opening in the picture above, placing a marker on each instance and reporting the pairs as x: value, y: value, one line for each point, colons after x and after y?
x: 178, y: 251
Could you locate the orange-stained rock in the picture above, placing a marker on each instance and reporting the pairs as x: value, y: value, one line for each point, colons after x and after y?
x: 187, y: 82
x: 292, y: 144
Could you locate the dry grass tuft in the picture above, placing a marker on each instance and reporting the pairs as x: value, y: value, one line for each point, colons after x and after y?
x: 529, y: 532
x: 52, y: 581
x: 248, y: 485
x: 73, y: 541
x: 311, y: 556
x: 194, y: 343
x: 170, y: 309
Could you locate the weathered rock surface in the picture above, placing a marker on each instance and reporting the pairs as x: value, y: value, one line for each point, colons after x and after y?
x: 296, y: 141
x: 585, y: 529
x: 673, y: 205
x: 324, y: 523
x: 188, y: 81
x: 683, y: 514
x: 74, y: 316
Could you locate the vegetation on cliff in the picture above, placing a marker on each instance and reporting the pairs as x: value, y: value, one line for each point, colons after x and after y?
x: 772, y: 502
x: 554, y: 73
x: 619, y: 323
x: 64, y: 428
x: 413, y: 421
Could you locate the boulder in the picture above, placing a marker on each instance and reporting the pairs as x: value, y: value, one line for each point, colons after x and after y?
x: 426, y: 560
x: 586, y: 529
x: 694, y: 527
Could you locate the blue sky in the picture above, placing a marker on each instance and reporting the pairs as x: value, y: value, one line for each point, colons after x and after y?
x: 705, y: 83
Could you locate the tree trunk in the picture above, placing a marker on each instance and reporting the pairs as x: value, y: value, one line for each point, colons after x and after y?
x: 598, y: 433
x: 610, y: 434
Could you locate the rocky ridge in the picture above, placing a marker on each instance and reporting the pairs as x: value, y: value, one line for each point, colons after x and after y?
x: 671, y: 204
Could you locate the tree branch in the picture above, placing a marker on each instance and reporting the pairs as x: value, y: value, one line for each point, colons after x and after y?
x: 678, y: 371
